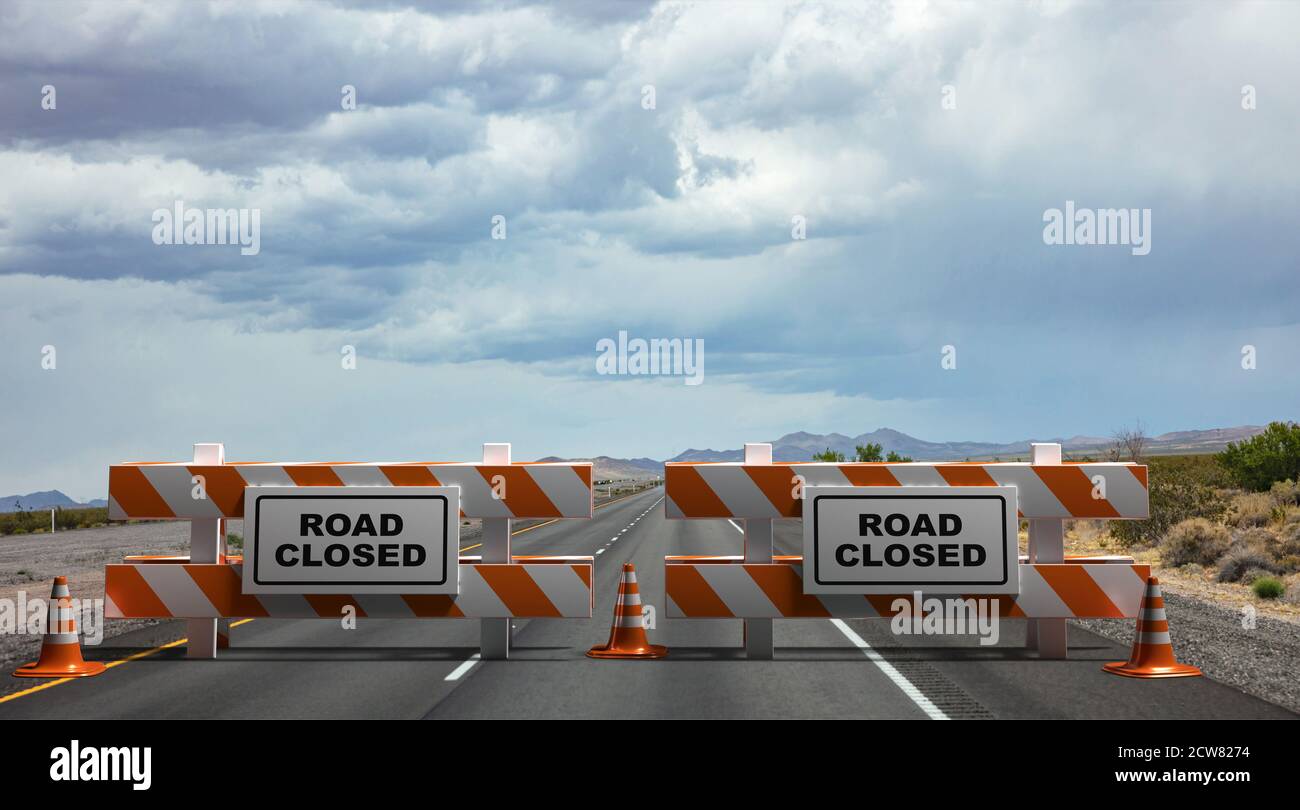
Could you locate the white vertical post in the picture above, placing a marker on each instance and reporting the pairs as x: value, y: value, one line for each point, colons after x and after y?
x: 1046, y: 545
x: 205, y: 547
x: 758, y: 549
x: 51, y: 520
x: 494, y: 634
x: 223, y: 550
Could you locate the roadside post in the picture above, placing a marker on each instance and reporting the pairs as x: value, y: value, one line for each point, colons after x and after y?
x: 881, y: 538
x: 324, y: 540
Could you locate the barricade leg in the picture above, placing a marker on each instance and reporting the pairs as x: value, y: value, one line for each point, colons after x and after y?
x: 494, y: 634
x: 758, y: 549
x: 1047, y: 545
x: 207, y: 545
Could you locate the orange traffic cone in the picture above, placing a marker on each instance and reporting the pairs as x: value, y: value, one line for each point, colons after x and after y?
x: 60, y: 650
x: 627, y: 638
x: 1153, y: 654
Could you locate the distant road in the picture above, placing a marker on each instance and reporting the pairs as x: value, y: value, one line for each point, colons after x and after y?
x: 426, y: 669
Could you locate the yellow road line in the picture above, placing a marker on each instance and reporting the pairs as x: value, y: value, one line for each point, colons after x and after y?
x: 109, y: 665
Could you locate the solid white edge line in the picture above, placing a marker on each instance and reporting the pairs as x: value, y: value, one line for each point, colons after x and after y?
x: 465, y: 666
x: 922, y: 702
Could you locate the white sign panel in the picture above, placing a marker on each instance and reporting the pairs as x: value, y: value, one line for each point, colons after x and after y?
x: 353, y: 540
x: 894, y: 540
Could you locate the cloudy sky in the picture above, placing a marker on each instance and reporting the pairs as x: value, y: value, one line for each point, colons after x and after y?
x: 649, y: 161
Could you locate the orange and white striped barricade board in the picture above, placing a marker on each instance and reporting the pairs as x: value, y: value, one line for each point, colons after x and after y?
x: 725, y: 587
x: 494, y: 589
x: 532, y: 588
x: 145, y: 490
x: 1045, y: 493
x: 1110, y: 490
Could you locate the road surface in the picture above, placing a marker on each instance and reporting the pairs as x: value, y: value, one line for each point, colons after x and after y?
x: 427, y: 669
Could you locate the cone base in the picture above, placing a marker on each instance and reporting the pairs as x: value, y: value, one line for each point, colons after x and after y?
x: 83, y: 670
x: 650, y: 651
x: 1172, y: 671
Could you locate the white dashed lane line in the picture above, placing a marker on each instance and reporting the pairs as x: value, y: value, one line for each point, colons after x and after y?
x: 635, y: 521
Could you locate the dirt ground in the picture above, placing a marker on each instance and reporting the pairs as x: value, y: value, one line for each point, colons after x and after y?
x: 30, y: 562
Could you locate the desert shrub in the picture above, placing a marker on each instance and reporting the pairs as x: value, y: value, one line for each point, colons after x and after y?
x: 1259, y: 461
x: 1289, y: 563
x: 1251, y: 509
x: 1255, y: 573
x: 235, y: 540
x: 1240, y: 560
x: 1268, y: 587
x: 1288, y: 541
x: 1177, y: 492
x: 1195, y: 540
x: 1285, y: 493
x: 1259, y: 538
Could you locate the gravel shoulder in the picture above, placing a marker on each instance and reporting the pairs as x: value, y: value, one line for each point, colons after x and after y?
x: 1259, y: 660
x: 30, y: 562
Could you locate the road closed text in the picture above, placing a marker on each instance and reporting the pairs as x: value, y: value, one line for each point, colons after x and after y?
x: 867, y: 540
x: 338, y: 555
x: 351, y: 540
x: 906, y: 550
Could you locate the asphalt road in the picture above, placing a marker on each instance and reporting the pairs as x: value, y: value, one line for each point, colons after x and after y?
x: 426, y: 669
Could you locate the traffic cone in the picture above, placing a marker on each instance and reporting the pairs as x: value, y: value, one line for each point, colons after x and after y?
x: 60, y: 649
x: 1153, y: 654
x: 627, y: 638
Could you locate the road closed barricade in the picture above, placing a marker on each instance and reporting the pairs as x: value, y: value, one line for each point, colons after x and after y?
x: 875, y: 533
x: 329, y: 540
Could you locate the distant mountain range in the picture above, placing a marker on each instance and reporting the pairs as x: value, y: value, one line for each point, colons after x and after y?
x: 44, y: 500
x: 801, y: 446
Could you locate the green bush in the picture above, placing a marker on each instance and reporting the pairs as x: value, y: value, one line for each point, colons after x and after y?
x: 1260, y: 461
x: 1177, y: 491
x: 1268, y: 587
x: 235, y: 540
x: 1195, y: 540
x: 829, y: 455
x: 868, y: 452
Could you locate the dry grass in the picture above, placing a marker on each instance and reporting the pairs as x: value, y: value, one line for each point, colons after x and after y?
x: 1090, y: 537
